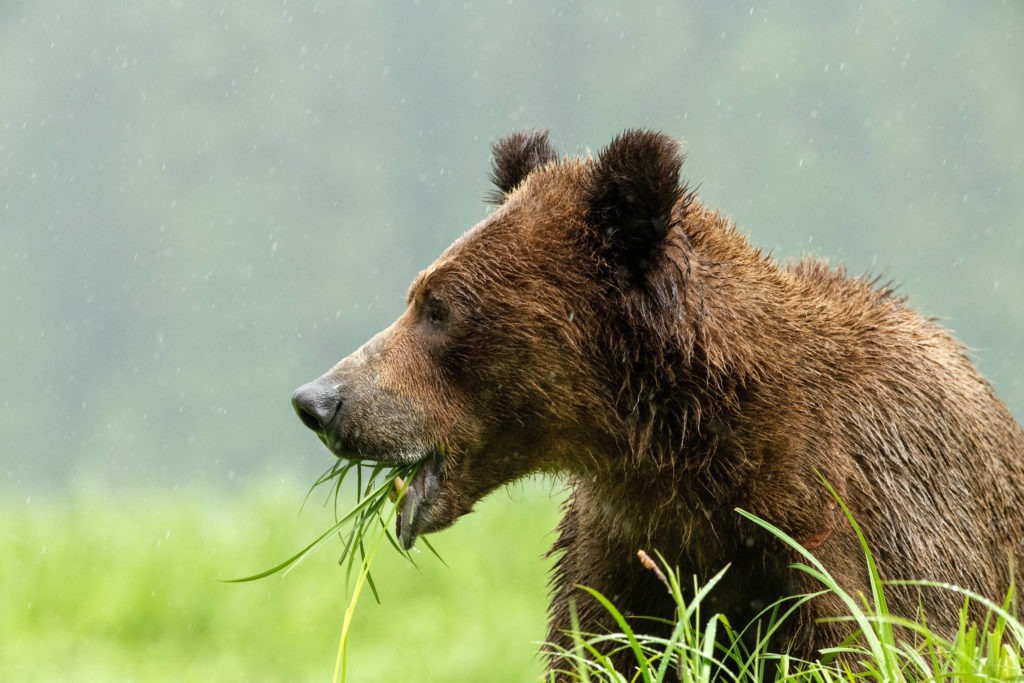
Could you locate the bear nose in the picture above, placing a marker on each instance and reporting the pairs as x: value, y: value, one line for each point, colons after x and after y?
x: 316, y: 405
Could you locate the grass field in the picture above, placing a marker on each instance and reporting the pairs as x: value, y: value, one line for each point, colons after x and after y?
x: 127, y: 589
x: 130, y: 589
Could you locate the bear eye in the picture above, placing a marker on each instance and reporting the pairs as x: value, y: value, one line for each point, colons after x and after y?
x: 437, y: 312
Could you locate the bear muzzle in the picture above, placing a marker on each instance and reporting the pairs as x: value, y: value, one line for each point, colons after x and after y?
x: 319, y: 406
x: 381, y: 428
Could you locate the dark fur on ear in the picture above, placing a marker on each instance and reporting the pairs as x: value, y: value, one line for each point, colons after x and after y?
x: 634, y: 190
x: 515, y: 156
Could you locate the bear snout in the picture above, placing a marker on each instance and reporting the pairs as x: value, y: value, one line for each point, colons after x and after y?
x: 357, y: 418
x: 316, y: 404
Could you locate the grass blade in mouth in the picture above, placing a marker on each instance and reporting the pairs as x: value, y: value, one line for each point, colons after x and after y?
x: 376, y: 486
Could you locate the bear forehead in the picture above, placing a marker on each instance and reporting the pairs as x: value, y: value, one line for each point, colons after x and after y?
x: 542, y: 217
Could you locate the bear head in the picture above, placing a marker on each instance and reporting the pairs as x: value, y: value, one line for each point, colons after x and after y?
x: 516, y: 348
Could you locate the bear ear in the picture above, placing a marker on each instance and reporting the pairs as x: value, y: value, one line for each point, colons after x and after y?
x: 634, y: 190
x: 515, y: 156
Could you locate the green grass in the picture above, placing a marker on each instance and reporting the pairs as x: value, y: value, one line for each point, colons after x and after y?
x: 131, y: 588
x: 706, y: 647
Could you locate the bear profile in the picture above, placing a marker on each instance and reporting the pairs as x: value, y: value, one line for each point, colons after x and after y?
x: 603, y: 325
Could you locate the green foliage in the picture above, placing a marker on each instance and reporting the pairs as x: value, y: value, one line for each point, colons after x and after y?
x: 353, y: 527
x: 114, y: 589
x: 886, y: 647
x: 129, y: 588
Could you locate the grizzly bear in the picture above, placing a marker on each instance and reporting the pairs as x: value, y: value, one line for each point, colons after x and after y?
x: 603, y: 325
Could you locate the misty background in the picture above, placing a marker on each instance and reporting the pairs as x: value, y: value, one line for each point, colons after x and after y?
x: 204, y: 205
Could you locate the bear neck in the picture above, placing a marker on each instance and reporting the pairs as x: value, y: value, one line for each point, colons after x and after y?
x: 708, y: 347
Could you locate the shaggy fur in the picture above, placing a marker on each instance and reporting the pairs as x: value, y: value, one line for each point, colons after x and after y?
x: 604, y: 325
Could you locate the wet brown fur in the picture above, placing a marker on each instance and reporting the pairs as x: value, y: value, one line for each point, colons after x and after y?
x: 603, y: 324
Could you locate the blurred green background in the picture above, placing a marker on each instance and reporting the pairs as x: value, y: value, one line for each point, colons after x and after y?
x: 205, y: 204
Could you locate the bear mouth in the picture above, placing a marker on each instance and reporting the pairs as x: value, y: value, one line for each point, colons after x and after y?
x: 419, y: 509
x: 426, y: 504
x: 413, y: 514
